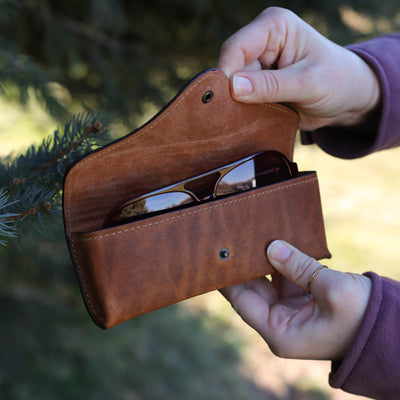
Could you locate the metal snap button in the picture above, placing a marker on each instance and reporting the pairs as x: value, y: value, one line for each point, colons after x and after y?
x: 224, y: 254
x: 207, y: 96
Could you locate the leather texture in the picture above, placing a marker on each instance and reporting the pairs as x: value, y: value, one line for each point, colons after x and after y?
x: 128, y: 270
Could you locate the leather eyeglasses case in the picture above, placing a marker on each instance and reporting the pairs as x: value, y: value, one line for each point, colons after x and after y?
x: 131, y: 269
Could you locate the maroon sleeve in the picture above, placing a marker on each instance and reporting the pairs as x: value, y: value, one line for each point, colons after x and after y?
x: 372, y: 366
x: 382, y: 131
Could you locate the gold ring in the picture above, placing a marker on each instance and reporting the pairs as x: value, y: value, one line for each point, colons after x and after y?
x: 313, y: 276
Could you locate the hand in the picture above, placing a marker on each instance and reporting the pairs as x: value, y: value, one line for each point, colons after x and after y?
x: 280, y: 58
x: 294, y: 323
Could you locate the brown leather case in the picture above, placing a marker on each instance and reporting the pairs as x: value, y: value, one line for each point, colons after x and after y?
x: 131, y: 269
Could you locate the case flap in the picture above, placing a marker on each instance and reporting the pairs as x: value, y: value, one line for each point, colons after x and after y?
x: 187, y: 138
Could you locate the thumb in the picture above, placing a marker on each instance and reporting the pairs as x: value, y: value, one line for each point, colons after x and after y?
x: 268, y: 86
x: 300, y: 269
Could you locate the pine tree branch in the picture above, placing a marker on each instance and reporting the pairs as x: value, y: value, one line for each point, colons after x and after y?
x: 32, y: 182
x: 31, y: 211
x: 89, y: 130
x: 95, y: 128
x: 7, y: 229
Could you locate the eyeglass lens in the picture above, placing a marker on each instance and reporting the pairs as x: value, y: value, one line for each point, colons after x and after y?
x: 155, y: 203
x: 262, y: 170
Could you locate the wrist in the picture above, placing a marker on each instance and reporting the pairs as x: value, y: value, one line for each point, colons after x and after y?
x: 360, y: 297
x: 365, y: 92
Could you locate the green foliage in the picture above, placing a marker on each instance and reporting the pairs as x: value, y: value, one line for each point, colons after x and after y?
x: 7, y: 229
x: 31, y: 183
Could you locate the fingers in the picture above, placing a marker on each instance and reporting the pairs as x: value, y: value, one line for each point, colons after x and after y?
x: 251, y: 300
x: 327, y: 286
x: 279, y: 58
x: 271, y: 86
x: 294, y: 324
x: 268, y: 60
x: 325, y: 327
x: 300, y: 269
x: 263, y: 39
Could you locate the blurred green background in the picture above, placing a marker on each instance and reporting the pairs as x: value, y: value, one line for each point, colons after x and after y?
x: 129, y: 58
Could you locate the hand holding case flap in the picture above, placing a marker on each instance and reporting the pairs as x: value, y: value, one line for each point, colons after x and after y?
x: 128, y: 270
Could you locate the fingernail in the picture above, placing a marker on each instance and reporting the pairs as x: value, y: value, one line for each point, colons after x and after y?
x: 278, y: 252
x: 242, y: 86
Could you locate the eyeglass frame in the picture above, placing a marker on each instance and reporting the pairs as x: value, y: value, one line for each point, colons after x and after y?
x: 180, y: 186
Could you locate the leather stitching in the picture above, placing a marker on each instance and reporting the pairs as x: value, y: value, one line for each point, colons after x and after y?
x: 202, y: 210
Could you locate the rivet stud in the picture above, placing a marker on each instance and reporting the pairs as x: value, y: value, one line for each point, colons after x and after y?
x: 224, y: 254
x: 207, y: 96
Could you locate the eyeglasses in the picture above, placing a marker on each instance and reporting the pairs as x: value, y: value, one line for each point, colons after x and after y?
x: 258, y: 170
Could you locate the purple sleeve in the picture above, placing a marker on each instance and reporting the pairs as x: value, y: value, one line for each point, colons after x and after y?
x: 372, y: 366
x: 383, y: 130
